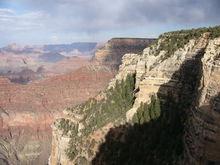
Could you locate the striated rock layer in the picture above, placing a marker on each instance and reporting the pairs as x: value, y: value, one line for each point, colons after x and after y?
x: 182, y: 67
x: 27, y: 111
x: 112, y: 52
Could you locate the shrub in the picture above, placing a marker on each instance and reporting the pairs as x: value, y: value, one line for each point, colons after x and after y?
x: 173, y: 41
x: 146, y: 112
x: 98, y: 113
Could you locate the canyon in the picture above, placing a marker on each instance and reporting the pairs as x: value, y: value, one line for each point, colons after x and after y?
x: 162, y: 107
x: 28, y: 111
x: 33, y: 94
x: 25, y: 63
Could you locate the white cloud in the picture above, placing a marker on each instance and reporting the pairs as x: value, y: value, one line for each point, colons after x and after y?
x: 5, y: 11
x: 54, y: 39
x: 11, y: 21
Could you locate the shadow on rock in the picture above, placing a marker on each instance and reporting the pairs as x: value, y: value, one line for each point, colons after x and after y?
x: 158, y: 140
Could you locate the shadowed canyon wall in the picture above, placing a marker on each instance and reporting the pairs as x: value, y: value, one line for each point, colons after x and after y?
x: 163, y: 102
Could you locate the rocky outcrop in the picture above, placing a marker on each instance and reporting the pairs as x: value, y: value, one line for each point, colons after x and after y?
x: 182, y: 70
x: 111, y: 53
x: 203, y: 137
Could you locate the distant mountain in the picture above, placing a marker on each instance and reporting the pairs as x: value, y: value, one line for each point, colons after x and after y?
x: 80, y: 46
x: 51, y: 57
x: 14, y: 57
x: 19, y: 49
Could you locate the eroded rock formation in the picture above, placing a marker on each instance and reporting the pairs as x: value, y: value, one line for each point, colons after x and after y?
x: 111, y: 53
x: 182, y: 69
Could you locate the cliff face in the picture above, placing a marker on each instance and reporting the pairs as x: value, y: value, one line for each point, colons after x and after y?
x: 165, y: 102
x: 111, y: 53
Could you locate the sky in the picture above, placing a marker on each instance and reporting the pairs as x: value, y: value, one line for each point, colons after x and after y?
x: 66, y: 21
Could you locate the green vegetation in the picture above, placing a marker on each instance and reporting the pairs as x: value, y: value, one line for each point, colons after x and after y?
x: 160, y: 126
x: 118, y: 100
x: 71, y: 151
x: 215, y: 32
x: 146, y: 112
x: 156, y: 134
x: 98, y: 113
x: 154, y: 138
x: 157, y: 130
x: 67, y: 126
x: 175, y: 40
x: 71, y: 130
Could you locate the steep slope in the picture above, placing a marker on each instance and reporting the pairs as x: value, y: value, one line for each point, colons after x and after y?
x: 165, y: 103
x: 112, y: 52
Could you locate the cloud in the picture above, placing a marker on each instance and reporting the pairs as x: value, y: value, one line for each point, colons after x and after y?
x: 100, y: 19
x: 54, y: 39
x: 120, y: 13
x: 11, y: 21
x: 4, y: 11
x: 171, y: 11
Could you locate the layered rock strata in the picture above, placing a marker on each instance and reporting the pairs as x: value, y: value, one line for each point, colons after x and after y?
x: 111, y: 53
x: 187, y: 68
x: 27, y: 111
